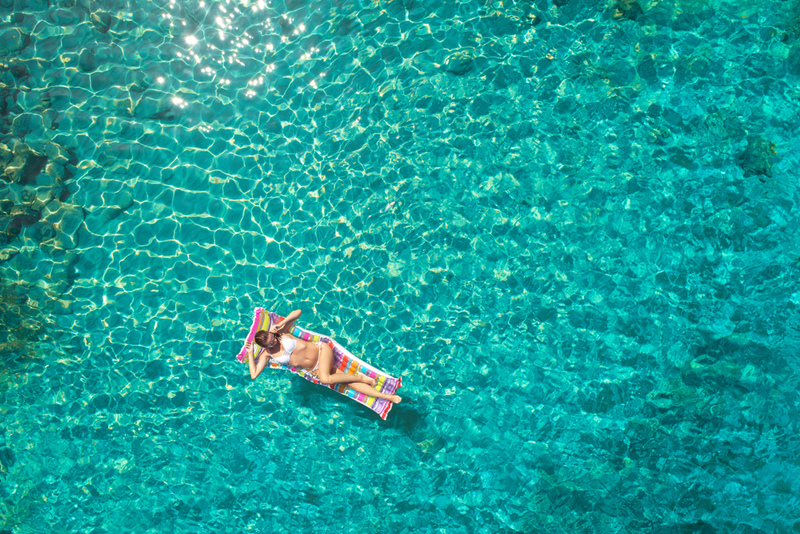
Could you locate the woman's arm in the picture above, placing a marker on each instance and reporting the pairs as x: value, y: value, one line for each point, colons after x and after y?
x: 255, y: 369
x: 286, y: 325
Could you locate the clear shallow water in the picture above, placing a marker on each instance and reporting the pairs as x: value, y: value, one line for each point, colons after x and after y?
x: 569, y: 228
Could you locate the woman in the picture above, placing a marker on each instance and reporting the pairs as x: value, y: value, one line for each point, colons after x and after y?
x: 316, y: 358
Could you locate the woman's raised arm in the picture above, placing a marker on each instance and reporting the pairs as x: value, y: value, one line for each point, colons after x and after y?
x: 286, y: 325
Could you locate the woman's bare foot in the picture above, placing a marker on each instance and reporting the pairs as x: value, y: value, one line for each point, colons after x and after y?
x: 396, y: 399
x: 368, y: 380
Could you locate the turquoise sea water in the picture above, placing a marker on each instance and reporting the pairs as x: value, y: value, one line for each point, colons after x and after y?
x: 570, y: 227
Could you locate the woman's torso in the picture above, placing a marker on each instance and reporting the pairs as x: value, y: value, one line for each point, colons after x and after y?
x: 303, y: 354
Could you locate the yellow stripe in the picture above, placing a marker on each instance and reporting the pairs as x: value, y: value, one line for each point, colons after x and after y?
x: 264, y: 320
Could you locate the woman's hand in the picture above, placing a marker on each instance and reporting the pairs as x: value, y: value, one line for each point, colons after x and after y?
x: 286, y: 324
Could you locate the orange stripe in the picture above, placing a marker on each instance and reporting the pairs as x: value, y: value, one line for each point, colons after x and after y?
x: 346, y: 365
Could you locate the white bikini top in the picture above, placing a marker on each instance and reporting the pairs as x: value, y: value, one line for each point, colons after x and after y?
x: 288, y: 349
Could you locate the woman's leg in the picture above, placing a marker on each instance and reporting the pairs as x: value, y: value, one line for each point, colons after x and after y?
x: 361, y: 383
x: 328, y: 374
x: 368, y: 390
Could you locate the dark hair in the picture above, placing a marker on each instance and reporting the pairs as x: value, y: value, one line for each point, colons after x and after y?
x: 261, y: 338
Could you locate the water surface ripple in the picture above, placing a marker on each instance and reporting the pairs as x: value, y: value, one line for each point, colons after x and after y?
x: 569, y: 226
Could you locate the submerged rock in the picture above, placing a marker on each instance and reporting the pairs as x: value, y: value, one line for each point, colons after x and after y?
x: 22, y: 165
x: 71, y: 219
x: 758, y: 158
x: 5, y: 156
x: 7, y: 458
x: 86, y: 61
x: 20, y: 322
x: 793, y: 60
x: 20, y: 217
x: 57, y: 153
x: 500, y: 26
x: 65, y: 219
x: 13, y: 41
x: 28, y: 124
x: 460, y: 63
x: 101, y: 21
x: 119, y: 205
x: 628, y: 10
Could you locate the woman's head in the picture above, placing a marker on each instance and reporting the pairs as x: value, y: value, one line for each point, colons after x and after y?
x: 264, y: 338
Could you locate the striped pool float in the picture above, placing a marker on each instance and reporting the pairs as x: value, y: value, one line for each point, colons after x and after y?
x: 345, y: 362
